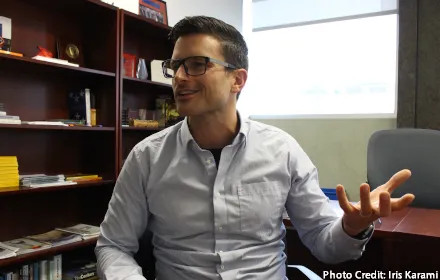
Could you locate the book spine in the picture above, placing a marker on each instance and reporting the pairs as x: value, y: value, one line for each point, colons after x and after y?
x: 88, y: 107
x: 43, y: 270
x: 58, y: 267
x: 36, y: 271
x: 31, y: 272
x: 25, y: 272
x: 51, y: 271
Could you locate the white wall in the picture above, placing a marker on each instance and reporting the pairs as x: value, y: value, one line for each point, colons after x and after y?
x: 229, y: 11
x: 338, y: 147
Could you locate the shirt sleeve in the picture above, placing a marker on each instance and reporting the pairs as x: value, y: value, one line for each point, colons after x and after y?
x: 124, y: 223
x: 317, y: 222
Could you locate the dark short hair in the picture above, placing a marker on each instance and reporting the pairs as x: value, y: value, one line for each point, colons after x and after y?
x: 234, y: 46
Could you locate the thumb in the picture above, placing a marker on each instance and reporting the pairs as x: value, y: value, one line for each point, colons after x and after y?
x: 343, y: 200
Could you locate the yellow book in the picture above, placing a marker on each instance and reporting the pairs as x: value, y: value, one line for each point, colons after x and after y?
x: 70, y: 178
x: 2, y: 185
x: 9, y: 168
x: 8, y: 158
x: 9, y: 177
x: 8, y: 163
x: 9, y: 180
x: 7, y: 173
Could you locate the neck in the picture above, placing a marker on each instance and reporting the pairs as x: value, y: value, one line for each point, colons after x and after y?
x: 214, y: 131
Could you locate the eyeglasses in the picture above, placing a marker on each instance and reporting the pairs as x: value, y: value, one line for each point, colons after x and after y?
x: 193, y: 65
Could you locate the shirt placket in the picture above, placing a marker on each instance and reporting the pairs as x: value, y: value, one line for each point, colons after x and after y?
x: 220, y: 210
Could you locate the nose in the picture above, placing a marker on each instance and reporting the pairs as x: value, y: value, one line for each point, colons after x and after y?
x: 181, y: 74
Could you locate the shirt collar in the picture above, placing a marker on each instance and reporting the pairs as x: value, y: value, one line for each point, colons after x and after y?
x: 186, y: 136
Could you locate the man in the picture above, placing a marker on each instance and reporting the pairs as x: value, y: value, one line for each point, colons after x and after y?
x: 212, y: 189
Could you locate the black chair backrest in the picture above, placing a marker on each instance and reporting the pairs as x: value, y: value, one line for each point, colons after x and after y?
x: 145, y: 257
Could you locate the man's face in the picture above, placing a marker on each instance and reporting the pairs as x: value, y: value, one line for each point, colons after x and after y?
x: 209, y: 93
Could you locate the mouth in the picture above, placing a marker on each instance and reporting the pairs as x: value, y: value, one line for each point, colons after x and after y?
x: 186, y: 94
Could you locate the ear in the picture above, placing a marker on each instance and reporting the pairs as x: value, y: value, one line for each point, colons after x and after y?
x: 240, y: 77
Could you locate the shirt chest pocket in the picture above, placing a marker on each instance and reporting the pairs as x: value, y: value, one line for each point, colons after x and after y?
x: 261, y: 207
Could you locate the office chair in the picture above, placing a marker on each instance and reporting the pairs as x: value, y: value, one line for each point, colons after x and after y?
x: 407, y: 148
x: 146, y: 260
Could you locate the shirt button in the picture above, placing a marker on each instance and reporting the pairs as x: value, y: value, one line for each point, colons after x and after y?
x: 220, y: 251
x: 208, y: 161
x: 222, y: 267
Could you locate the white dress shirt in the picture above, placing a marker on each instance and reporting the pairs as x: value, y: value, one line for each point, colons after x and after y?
x: 218, y: 223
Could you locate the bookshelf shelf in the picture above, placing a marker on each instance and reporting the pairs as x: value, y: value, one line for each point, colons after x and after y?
x: 145, y: 22
x: 27, y: 190
x: 133, y: 128
x: 17, y: 61
x: 55, y: 127
x: 46, y: 253
x: 136, y: 80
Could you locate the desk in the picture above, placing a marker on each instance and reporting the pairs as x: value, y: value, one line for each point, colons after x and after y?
x: 407, y: 240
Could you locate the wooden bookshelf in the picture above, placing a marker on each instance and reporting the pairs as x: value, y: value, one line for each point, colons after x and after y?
x: 54, y: 127
x: 132, y: 128
x: 28, y: 190
x: 37, y: 90
x: 29, y: 257
x: 136, y: 80
x: 19, y: 62
x: 137, y: 93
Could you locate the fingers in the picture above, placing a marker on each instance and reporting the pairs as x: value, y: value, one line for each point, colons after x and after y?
x: 400, y: 203
x: 343, y: 200
x: 384, y: 204
x: 398, y: 179
x: 366, y: 207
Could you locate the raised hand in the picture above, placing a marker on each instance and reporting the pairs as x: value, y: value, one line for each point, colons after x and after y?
x: 373, y: 205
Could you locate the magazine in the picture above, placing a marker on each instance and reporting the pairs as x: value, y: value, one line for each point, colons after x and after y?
x: 7, y: 251
x: 56, y: 237
x: 26, y: 245
x: 86, y: 231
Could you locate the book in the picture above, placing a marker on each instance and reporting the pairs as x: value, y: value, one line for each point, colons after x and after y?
x: 81, y: 270
x: 26, y: 245
x: 56, y: 238
x: 7, y: 251
x: 12, y: 53
x: 55, y: 60
x: 86, y: 231
x: 77, y: 103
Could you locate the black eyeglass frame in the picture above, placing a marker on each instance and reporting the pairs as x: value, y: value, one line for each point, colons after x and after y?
x: 207, y: 59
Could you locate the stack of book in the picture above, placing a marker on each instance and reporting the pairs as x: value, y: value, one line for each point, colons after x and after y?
x: 9, y: 176
x: 83, y: 230
x: 53, y: 238
x: 7, y: 119
x: 43, y: 180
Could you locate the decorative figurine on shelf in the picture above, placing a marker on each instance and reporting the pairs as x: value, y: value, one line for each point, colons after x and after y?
x: 44, y: 52
x: 142, y: 72
x: 172, y: 116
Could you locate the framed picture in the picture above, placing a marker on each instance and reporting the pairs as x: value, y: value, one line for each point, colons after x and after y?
x: 155, y: 10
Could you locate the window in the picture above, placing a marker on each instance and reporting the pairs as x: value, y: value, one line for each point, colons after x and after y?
x: 321, y: 57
